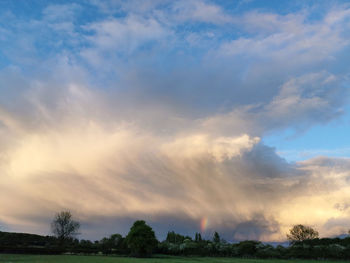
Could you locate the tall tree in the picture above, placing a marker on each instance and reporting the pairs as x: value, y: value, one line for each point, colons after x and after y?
x: 216, y: 237
x: 141, y: 239
x: 64, y: 227
x: 198, y: 237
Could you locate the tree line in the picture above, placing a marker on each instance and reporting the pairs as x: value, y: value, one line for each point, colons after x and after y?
x: 141, y: 242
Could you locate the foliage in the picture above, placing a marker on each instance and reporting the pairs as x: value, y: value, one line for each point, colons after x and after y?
x: 248, y: 248
x: 94, y: 259
x: 216, y: 237
x: 113, y: 244
x: 173, y: 237
x: 141, y: 236
x: 300, y: 233
x: 141, y: 239
x: 198, y: 237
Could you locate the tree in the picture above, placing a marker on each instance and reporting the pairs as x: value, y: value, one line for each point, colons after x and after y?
x: 175, y: 238
x: 141, y: 239
x: 112, y: 243
x: 301, y: 233
x: 216, y: 237
x: 198, y: 237
x: 64, y: 227
x: 116, y: 240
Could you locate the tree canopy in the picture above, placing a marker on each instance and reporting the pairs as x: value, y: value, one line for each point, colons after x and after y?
x: 141, y: 239
x: 216, y: 237
x: 64, y: 227
x: 301, y: 233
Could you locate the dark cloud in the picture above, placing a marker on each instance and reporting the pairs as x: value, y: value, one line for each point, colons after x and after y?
x: 255, y: 228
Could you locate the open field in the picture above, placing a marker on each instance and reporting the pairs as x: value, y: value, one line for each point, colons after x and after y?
x: 4, y: 258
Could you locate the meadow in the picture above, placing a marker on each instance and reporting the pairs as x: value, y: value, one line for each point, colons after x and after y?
x: 7, y: 258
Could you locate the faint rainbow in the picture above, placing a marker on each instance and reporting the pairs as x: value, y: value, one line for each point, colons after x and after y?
x: 204, y: 224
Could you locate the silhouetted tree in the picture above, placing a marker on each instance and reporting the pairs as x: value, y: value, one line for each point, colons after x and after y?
x: 301, y: 233
x: 247, y: 248
x: 141, y: 239
x: 216, y: 237
x: 111, y: 244
x: 198, y: 237
x: 64, y: 227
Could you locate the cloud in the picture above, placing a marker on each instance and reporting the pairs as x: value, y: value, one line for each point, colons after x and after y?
x: 132, y: 6
x: 256, y: 228
x: 60, y: 12
x: 197, y: 11
x: 220, y: 148
x: 120, y: 38
x: 119, y: 170
x: 200, y: 11
x: 124, y: 35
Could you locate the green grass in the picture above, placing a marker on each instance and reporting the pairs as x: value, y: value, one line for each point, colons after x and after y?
x: 4, y: 258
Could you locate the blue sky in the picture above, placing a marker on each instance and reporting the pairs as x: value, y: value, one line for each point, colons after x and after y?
x: 174, y: 112
x: 328, y: 140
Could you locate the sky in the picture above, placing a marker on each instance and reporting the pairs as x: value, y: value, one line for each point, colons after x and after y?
x: 194, y: 115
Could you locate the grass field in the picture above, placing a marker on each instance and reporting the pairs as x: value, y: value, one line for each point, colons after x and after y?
x: 109, y: 259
